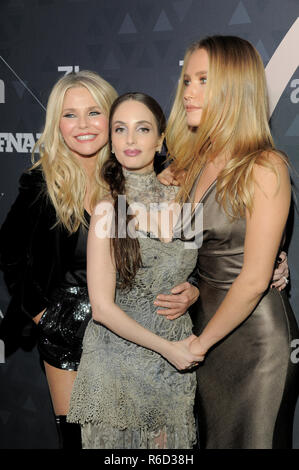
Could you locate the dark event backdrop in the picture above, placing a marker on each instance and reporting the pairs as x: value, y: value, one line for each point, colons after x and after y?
x: 137, y: 45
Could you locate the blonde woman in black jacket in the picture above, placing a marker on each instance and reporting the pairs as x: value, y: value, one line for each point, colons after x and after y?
x: 43, y: 239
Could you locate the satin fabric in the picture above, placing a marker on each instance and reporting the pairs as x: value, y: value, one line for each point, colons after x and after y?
x: 247, y: 385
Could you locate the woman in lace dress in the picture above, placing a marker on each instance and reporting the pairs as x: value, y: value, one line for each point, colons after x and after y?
x: 129, y: 374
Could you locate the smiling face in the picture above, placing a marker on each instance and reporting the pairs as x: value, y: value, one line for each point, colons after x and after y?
x: 134, y: 136
x: 195, y: 79
x: 83, y: 126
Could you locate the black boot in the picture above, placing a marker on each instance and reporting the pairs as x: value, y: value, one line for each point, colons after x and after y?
x: 69, y: 433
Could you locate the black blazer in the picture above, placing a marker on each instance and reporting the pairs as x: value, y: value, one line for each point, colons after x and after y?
x: 34, y: 256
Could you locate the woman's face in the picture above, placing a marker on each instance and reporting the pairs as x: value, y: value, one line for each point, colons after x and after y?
x: 83, y: 125
x: 135, y: 137
x: 195, y: 79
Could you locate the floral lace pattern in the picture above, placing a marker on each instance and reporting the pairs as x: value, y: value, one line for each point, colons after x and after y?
x: 127, y: 396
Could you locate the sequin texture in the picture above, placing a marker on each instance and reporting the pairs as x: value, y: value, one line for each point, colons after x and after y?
x: 62, y: 326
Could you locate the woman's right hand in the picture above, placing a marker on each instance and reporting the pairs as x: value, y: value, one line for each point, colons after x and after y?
x: 179, y: 355
x: 281, y: 273
x: 37, y: 318
x: 177, y: 303
x: 168, y: 178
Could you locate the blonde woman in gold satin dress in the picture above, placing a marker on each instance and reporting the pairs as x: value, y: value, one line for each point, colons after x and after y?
x: 218, y: 135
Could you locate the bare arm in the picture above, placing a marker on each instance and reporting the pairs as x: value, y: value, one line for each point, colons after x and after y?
x: 184, y: 295
x: 264, y: 230
x: 101, y: 279
x: 281, y: 273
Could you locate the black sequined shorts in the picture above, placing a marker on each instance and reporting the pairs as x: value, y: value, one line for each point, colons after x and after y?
x: 62, y: 326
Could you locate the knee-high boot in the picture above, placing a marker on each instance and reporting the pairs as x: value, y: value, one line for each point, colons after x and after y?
x: 69, y: 433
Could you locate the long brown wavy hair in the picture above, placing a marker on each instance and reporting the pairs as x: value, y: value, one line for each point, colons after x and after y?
x: 234, y: 121
x: 126, y: 251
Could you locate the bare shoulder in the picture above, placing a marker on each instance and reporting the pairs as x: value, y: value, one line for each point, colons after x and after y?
x: 271, y: 170
x: 103, y: 207
x: 102, y: 218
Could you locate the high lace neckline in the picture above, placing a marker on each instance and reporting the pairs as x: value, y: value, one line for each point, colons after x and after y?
x: 145, y: 188
x: 146, y: 179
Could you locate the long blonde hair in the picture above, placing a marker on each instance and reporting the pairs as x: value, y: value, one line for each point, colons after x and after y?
x: 65, y: 178
x: 234, y: 121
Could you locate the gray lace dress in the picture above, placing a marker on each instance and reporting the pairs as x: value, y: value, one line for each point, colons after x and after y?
x: 126, y: 396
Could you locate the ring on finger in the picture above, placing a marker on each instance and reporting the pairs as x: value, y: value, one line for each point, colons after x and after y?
x: 285, y: 279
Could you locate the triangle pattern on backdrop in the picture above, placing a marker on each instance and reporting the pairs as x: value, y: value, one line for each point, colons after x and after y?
x: 240, y: 15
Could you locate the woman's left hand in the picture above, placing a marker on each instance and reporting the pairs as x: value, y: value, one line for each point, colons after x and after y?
x: 280, y: 276
x: 178, y: 302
